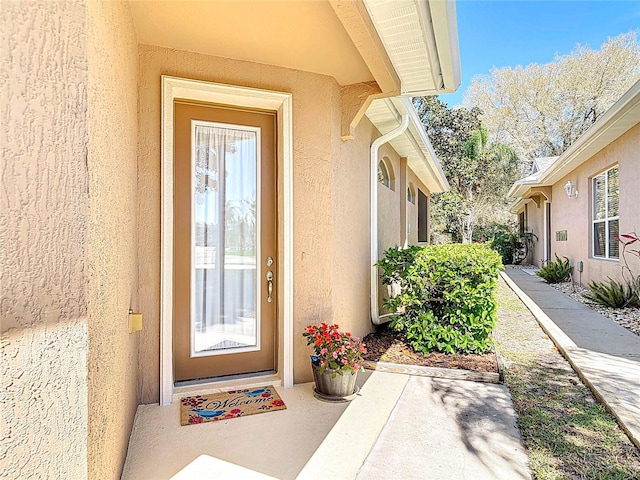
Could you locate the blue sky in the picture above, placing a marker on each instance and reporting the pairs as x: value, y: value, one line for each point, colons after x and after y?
x: 510, y: 33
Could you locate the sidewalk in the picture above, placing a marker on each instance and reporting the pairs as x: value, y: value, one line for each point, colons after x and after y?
x: 604, y: 354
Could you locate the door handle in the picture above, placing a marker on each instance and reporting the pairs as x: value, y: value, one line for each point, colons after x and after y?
x: 269, y: 286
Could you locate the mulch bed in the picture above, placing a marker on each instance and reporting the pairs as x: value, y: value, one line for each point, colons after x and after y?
x: 389, y: 346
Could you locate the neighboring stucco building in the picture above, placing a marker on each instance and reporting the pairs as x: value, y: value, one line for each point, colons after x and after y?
x: 119, y: 117
x: 578, y: 203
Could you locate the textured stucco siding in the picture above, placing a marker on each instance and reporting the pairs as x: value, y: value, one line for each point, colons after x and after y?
x: 389, y: 234
x: 574, y: 214
x: 113, y: 235
x: 43, y: 241
x: 412, y: 208
x: 69, y: 238
x: 351, y: 252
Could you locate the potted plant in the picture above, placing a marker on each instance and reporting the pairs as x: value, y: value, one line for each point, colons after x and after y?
x: 335, y: 362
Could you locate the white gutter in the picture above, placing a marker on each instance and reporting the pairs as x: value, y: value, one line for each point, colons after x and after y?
x: 434, y: 166
x: 373, y: 184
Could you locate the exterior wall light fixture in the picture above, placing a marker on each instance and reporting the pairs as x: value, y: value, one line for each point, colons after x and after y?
x: 571, y: 189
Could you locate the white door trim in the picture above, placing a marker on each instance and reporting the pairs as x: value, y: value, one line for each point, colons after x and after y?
x: 173, y: 88
x: 545, y: 234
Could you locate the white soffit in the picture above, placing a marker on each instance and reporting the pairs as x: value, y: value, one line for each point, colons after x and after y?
x: 421, y: 39
x: 386, y: 114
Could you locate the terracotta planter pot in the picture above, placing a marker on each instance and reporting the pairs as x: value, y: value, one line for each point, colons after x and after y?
x: 340, y: 386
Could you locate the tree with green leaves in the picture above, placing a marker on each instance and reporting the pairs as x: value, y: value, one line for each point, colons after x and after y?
x: 540, y: 110
x: 479, y: 172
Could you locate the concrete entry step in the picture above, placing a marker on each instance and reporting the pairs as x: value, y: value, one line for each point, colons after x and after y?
x: 349, y: 442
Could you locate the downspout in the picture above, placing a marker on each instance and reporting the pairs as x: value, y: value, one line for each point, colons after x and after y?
x: 376, y: 319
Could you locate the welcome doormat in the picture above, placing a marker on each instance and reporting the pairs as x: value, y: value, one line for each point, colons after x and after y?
x: 232, y: 404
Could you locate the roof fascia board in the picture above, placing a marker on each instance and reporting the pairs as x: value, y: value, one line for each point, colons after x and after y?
x: 358, y: 24
x: 519, y: 188
x: 627, y: 109
x: 426, y: 20
x: 516, y: 190
x: 445, y: 30
x: 518, y: 204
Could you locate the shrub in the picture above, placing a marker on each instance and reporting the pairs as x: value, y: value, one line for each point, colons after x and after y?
x: 615, y: 294
x: 446, y: 301
x: 505, y: 244
x: 556, y: 272
x: 630, y: 242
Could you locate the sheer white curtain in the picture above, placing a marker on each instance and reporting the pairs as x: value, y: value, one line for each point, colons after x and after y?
x: 225, y: 241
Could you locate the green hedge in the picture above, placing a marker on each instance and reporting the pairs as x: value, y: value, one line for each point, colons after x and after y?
x: 506, y: 245
x: 446, y: 302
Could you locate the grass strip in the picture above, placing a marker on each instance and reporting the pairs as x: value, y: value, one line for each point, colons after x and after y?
x: 567, y: 433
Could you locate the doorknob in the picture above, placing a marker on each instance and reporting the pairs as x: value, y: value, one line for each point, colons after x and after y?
x: 269, y: 286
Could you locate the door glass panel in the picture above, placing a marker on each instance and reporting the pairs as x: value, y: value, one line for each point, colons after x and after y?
x: 224, y: 275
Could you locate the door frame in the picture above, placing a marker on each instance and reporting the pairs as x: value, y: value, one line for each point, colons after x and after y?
x: 282, y: 103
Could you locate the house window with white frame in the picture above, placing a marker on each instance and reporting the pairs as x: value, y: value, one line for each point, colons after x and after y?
x: 411, y: 193
x: 385, y: 173
x: 606, y: 200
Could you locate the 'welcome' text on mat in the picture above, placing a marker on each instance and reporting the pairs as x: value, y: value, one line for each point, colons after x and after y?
x: 232, y: 404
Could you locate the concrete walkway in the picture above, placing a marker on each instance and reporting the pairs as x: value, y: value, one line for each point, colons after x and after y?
x: 423, y: 428
x: 448, y: 429
x: 398, y: 426
x: 604, y: 354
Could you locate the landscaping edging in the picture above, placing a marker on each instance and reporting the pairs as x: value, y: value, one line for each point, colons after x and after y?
x: 436, y: 372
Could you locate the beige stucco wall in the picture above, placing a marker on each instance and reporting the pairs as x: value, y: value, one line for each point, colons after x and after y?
x: 351, y: 249
x: 574, y: 214
x: 44, y: 218
x: 412, y: 208
x: 331, y: 221
x: 389, y: 203
x: 112, y: 235
x: 535, y: 219
x: 69, y: 245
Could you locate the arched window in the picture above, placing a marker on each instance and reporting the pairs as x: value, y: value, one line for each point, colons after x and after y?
x: 411, y: 193
x: 385, y: 173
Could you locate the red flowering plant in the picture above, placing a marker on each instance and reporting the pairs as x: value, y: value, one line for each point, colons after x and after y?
x: 333, y: 349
